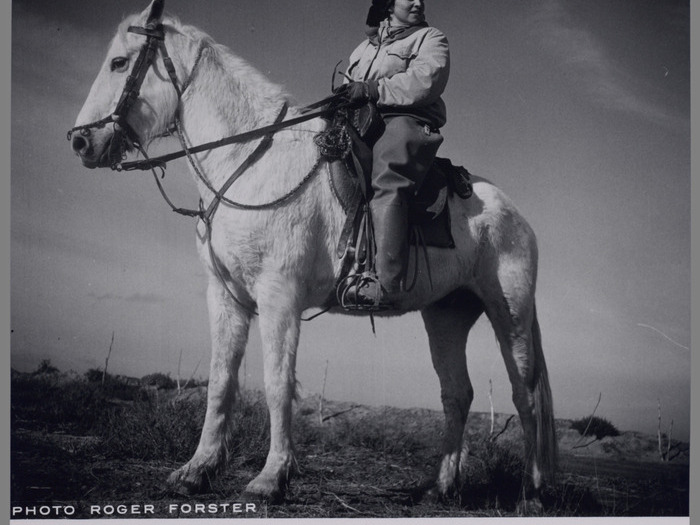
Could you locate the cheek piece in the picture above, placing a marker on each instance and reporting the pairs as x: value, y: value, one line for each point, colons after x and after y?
x: 124, y: 135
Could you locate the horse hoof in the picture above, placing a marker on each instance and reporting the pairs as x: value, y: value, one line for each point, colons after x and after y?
x: 264, y: 490
x: 184, y: 483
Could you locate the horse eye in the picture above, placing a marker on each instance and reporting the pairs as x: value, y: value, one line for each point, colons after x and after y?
x: 119, y: 63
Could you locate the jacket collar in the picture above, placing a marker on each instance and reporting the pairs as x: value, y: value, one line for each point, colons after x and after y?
x: 388, y: 34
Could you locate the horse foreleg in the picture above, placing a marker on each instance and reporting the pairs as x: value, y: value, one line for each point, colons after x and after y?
x: 229, y: 333
x: 279, y: 329
x: 448, y: 323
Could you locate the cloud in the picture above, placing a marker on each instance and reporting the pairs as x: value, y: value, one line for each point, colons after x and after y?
x: 140, y: 298
x: 588, y: 62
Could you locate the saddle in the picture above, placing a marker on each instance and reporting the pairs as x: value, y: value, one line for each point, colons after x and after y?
x: 428, y: 210
x: 347, y: 143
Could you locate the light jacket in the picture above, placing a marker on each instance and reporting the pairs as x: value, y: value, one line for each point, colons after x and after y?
x: 410, y: 68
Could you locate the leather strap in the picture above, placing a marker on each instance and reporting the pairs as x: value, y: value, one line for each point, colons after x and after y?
x: 235, y: 139
x: 262, y: 146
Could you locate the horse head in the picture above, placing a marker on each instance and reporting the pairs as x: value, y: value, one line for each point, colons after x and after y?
x: 132, y: 100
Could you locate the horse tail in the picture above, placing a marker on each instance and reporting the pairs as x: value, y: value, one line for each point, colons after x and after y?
x: 547, y: 449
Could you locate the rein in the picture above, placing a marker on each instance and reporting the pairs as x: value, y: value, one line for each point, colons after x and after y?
x: 124, y: 135
x: 330, y: 104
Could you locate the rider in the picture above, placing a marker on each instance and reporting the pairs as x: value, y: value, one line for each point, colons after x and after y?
x: 403, y: 67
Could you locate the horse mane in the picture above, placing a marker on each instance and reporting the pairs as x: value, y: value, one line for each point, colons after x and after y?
x: 257, y: 98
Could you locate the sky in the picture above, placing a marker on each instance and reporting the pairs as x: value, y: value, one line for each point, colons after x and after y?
x: 579, y: 110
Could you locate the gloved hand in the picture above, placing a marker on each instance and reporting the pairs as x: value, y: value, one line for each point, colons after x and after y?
x: 357, y: 94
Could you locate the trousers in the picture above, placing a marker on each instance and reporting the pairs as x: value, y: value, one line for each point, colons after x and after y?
x: 401, y: 159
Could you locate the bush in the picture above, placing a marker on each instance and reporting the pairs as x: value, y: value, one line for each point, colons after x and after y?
x: 114, y: 387
x: 45, y: 402
x: 45, y: 367
x: 153, y: 430
x: 130, y: 423
x: 94, y: 375
x: 375, y: 434
x: 170, y: 429
x: 493, y: 475
x: 595, y: 426
x: 158, y: 380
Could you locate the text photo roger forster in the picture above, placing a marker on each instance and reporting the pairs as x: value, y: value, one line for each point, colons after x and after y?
x: 313, y: 260
x: 136, y: 510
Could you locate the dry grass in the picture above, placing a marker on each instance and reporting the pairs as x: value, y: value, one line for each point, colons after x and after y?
x: 86, y: 442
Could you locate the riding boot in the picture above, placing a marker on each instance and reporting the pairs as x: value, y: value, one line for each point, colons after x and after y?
x: 390, y: 220
x: 390, y: 217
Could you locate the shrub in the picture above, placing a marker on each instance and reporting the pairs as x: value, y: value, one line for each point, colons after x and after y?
x: 595, y: 426
x: 493, y: 475
x: 158, y: 380
x: 46, y: 402
x: 151, y: 430
x: 94, y: 375
x: 375, y: 434
x: 170, y: 429
x: 114, y: 387
x: 45, y: 367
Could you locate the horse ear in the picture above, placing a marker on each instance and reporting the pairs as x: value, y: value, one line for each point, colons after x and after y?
x: 154, y: 12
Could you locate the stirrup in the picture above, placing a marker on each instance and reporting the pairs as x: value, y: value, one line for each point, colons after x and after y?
x: 350, y: 298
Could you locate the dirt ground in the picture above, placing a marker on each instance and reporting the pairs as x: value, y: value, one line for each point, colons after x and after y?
x: 55, y: 474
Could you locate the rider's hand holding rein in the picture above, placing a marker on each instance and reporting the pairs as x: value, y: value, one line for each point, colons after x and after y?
x: 357, y: 94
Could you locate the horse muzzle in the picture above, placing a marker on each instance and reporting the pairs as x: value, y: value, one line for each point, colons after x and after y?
x: 103, y: 148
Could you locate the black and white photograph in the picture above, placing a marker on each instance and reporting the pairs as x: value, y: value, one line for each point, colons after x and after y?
x: 378, y: 259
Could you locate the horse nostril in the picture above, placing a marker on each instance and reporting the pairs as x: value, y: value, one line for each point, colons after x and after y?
x: 79, y: 143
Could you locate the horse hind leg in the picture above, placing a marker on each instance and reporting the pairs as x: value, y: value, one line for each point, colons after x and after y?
x: 229, y: 332
x: 447, y: 323
x: 514, y: 319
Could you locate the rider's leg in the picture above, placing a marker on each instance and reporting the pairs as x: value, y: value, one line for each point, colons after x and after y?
x: 402, y: 157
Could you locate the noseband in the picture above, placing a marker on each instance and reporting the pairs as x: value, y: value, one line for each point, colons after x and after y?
x: 124, y: 135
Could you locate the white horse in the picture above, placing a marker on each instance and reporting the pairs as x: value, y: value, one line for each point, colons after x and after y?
x: 281, y: 260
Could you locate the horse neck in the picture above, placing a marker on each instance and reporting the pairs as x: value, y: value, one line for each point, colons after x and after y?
x: 227, y: 96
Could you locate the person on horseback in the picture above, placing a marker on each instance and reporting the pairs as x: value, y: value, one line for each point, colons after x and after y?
x: 402, y: 67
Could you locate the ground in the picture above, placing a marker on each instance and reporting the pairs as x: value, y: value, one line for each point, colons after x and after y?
x: 354, y: 461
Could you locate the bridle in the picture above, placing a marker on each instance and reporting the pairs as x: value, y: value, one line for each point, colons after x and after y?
x: 124, y: 136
